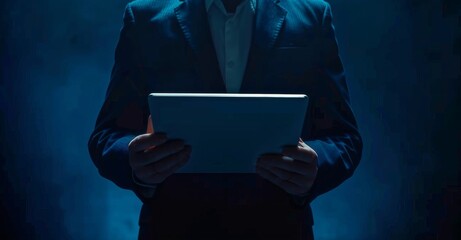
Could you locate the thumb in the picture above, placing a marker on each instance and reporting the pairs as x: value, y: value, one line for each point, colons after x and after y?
x: 150, y: 127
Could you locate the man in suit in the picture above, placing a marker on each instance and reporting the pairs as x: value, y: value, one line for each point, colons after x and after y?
x: 243, y: 46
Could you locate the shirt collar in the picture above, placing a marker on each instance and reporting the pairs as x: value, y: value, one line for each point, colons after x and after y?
x: 209, y: 3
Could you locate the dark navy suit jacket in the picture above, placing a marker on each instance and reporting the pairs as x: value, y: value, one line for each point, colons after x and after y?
x: 166, y: 46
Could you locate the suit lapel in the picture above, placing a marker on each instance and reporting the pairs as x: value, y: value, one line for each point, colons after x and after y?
x: 269, y: 18
x: 193, y: 20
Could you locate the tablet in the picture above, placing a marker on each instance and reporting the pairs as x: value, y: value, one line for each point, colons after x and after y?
x: 228, y: 132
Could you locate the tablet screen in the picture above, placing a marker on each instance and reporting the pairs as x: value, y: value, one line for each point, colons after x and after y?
x: 228, y: 132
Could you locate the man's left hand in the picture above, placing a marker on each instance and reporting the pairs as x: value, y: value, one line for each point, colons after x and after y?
x: 294, y: 170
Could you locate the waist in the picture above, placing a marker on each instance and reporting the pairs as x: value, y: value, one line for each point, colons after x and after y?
x: 230, y: 194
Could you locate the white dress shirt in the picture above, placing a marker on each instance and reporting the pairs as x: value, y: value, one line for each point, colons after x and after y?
x: 231, y: 35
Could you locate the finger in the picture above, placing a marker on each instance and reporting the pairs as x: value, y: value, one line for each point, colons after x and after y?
x: 140, y: 144
x: 302, y: 175
x: 163, y: 165
x: 278, y: 161
x: 152, y: 174
x: 184, y: 159
x: 179, y: 165
x: 168, y: 148
x: 280, y: 173
x: 302, y: 181
x: 285, y: 185
x: 300, y: 153
x: 145, y: 141
x: 301, y: 143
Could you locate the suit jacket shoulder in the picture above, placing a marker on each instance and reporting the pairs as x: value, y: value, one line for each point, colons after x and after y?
x: 313, y: 10
x: 152, y: 10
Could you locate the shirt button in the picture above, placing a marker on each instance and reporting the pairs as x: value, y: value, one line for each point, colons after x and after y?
x: 230, y: 64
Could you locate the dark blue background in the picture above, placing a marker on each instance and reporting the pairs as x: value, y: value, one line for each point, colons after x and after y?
x: 403, y: 66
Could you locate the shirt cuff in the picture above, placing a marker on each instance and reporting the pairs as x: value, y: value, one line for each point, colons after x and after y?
x: 300, y: 201
x: 146, y: 190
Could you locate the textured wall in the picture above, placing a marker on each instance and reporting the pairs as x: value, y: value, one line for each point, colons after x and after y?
x: 404, y: 79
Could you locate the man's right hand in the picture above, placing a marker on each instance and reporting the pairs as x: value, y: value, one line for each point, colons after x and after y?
x: 153, y: 157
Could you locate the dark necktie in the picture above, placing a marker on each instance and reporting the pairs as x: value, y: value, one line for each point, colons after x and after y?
x: 231, y: 5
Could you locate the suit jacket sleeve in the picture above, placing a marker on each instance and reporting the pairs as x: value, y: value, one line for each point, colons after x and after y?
x: 331, y: 129
x: 123, y: 114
